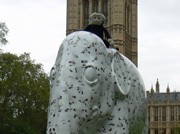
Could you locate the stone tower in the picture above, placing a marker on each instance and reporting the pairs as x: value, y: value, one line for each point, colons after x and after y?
x: 121, y: 21
x: 157, y: 86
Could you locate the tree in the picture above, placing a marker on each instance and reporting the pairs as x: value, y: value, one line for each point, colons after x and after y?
x: 3, y: 32
x: 176, y: 129
x: 24, y: 94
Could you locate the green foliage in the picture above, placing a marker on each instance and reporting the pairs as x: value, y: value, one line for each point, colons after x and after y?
x: 3, y: 32
x: 15, y: 126
x: 176, y: 130
x: 24, y: 94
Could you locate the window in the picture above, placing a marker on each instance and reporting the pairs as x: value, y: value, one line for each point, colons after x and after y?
x: 127, y: 17
x: 156, y: 131
x: 105, y: 10
x: 96, y: 6
x: 156, y: 114
x: 179, y: 113
x: 164, y: 114
x: 172, y: 113
x: 164, y: 131
x: 149, y: 114
x: 86, y: 12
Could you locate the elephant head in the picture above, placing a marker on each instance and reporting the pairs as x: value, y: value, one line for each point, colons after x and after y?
x: 94, y: 89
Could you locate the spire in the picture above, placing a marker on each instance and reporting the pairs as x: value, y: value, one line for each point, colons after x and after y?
x: 152, y: 93
x: 152, y: 90
x: 168, y: 89
x: 157, y: 86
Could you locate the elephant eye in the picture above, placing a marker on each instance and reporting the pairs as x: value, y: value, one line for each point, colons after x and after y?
x: 90, y: 75
x: 52, y: 75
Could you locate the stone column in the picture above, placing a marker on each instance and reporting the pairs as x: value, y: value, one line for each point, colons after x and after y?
x: 168, y: 130
x: 72, y: 16
x: 100, y: 6
x: 90, y: 7
x: 109, y: 13
x: 168, y: 114
x: 81, y: 14
x: 152, y: 131
x: 151, y: 114
x: 151, y: 120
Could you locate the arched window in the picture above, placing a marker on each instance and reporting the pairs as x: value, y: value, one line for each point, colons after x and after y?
x: 172, y: 113
x: 156, y: 114
x: 86, y: 12
x: 127, y: 17
x: 96, y: 6
x: 179, y: 113
x: 105, y: 10
x: 149, y: 114
x: 156, y: 131
x: 164, y: 114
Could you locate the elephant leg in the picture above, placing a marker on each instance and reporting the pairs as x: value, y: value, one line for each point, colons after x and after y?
x: 117, y: 122
x: 145, y: 130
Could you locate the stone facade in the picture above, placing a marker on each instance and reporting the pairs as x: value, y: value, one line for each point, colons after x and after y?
x: 121, y: 21
x: 163, y: 111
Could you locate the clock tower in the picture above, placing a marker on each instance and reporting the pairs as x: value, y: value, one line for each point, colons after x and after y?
x: 121, y: 21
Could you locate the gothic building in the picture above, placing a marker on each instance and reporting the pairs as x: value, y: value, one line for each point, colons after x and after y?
x: 121, y: 21
x: 163, y: 111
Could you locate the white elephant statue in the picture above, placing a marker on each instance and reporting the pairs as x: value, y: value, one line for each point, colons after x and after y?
x: 95, y: 90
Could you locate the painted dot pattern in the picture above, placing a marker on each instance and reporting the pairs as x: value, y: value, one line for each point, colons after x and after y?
x: 95, y: 90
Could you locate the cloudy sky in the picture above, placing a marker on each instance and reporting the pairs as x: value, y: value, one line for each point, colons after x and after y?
x: 38, y: 27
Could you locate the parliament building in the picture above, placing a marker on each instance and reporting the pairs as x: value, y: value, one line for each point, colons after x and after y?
x: 163, y: 111
x: 122, y: 24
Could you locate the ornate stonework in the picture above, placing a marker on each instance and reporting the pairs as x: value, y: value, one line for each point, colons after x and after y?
x: 121, y: 21
x: 163, y: 111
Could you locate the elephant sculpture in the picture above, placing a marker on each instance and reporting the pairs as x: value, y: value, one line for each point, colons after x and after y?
x: 95, y: 90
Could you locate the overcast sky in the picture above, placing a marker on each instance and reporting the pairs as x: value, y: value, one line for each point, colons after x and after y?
x: 39, y: 26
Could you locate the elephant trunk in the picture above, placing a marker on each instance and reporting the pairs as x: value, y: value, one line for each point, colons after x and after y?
x: 66, y: 122
x: 68, y: 125
x: 64, y: 116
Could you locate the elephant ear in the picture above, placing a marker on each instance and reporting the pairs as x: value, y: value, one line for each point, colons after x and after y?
x: 120, y: 67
